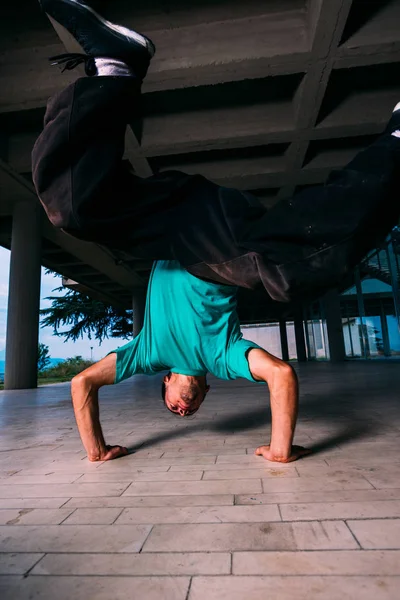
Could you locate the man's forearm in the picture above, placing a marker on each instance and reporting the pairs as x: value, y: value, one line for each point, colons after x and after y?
x: 284, y: 409
x: 86, y: 408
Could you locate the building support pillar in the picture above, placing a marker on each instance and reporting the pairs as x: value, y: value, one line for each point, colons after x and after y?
x: 138, y: 309
x: 385, y: 331
x: 300, y: 339
x: 334, y: 326
x: 284, y: 341
x: 24, y: 298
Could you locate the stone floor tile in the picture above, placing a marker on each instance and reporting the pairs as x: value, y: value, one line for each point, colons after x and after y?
x: 197, y: 563
x: 34, y: 516
x: 186, y: 475
x: 224, y: 537
x: 370, y: 495
x: 249, y: 473
x: 137, y: 501
x: 67, y: 464
x: 257, y: 462
x: 17, y: 564
x: 298, y: 588
x: 152, y: 488
x: 328, y: 471
x: 383, y: 533
x: 382, y: 480
x: 62, y: 489
x: 340, y: 510
x: 93, y: 516
x: 94, y: 588
x: 85, y: 467
x: 339, y: 562
x: 130, y: 462
x: 33, y: 502
x: 200, y: 467
x: 201, y: 514
x: 304, y: 484
x: 204, y: 452
x: 181, y: 475
x: 122, y: 476
x: 347, y: 461
x: 7, y: 474
x: 42, y: 479
x: 74, y: 538
x: 267, y: 467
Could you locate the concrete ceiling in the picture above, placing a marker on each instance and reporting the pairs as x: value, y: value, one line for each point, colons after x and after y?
x: 265, y: 95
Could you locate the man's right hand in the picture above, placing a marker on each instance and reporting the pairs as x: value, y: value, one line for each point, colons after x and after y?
x: 296, y: 453
x: 111, y: 453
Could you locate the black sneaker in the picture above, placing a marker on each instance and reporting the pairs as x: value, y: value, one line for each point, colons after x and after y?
x: 98, y: 38
x: 394, y: 123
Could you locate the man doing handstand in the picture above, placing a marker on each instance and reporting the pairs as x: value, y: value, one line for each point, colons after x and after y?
x: 207, y: 239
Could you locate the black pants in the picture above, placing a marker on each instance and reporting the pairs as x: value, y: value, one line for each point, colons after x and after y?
x: 300, y: 248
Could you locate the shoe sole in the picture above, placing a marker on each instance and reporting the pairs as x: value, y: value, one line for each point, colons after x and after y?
x: 129, y: 34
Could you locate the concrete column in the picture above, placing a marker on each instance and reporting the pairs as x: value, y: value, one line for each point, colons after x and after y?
x: 385, y: 331
x: 23, y: 298
x: 284, y: 340
x: 300, y: 339
x: 334, y: 326
x: 138, y: 308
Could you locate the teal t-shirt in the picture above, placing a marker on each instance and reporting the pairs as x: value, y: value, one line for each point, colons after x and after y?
x: 190, y: 327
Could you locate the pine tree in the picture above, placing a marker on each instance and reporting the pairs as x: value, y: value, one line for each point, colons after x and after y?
x: 82, y: 315
x: 43, y: 357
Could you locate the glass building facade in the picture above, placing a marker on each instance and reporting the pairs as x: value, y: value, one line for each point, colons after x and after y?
x: 367, y: 313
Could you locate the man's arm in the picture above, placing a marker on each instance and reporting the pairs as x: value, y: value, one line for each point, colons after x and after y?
x: 85, y: 400
x: 284, y: 394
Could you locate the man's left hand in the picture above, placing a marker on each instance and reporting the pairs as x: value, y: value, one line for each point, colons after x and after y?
x: 111, y: 453
x: 296, y: 453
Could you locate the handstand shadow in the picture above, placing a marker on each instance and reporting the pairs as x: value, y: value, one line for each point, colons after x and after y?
x: 248, y: 421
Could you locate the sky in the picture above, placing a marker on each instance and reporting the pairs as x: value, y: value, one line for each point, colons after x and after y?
x: 57, y: 347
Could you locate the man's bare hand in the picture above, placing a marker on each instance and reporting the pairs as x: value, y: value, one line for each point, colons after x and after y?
x: 111, y: 453
x: 296, y: 453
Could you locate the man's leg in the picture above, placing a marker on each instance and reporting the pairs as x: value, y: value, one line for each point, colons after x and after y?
x: 304, y: 245
x: 83, y: 183
x: 309, y: 243
x: 85, y: 186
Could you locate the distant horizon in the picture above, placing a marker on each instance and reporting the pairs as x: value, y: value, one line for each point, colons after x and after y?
x: 53, y: 363
x: 56, y: 358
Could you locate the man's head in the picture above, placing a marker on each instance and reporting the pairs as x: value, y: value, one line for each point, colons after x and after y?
x: 184, y: 394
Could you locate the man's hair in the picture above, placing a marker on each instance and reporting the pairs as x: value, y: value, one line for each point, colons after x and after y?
x: 163, y: 394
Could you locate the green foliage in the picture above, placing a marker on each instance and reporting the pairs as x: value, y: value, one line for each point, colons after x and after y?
x: 43, y: 357
x: 67, y: 369
x: 83, y: 315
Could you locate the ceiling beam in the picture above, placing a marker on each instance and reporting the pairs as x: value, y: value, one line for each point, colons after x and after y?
x: 327, y: 20
x: 93, y: 293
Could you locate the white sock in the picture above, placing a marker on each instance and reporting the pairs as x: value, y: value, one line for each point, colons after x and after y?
x: 112, y: 67
x: 396, y: 133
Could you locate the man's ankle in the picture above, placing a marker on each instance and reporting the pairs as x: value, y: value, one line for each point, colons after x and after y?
x: 111, y: 67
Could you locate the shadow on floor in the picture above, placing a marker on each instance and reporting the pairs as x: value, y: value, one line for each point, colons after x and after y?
x: 252, y: 420
x: 351, y: 400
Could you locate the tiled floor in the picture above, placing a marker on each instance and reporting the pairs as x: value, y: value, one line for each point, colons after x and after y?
x: 192, y: 514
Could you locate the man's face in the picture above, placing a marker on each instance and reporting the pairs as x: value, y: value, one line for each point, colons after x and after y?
x: 183, y: 394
